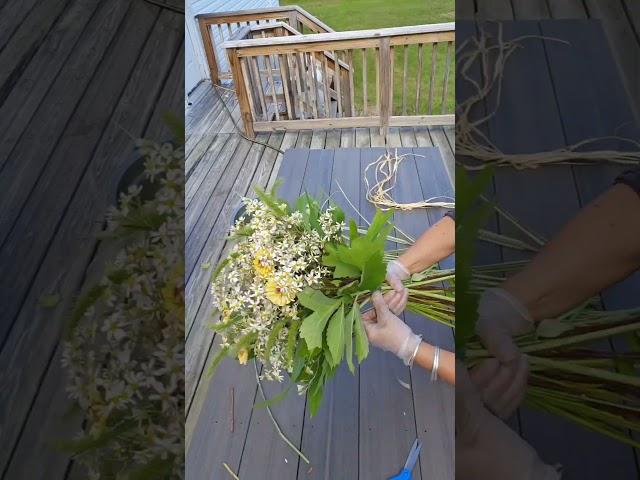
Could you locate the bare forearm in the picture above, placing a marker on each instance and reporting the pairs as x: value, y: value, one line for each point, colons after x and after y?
x: 434, y: 244
x: 596, y: 249
x: 446, y: 364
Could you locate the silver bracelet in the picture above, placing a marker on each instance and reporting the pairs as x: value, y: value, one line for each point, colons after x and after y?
x: 436, y: 364
x: 415, y: 352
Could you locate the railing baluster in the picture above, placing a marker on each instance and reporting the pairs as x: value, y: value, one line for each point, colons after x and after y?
x: 314, y: 83
x: 386, y: 82
x: 419, y: 77
x: 432, y: 81
x: 229, y: 29
x: 404, y: 80
x: 351, y: 84
x: 256, y: 74
x: 304, y: 80
x: 243, y: 98
x: 378, y: 81
x: 206, y: 33
x: 364, y: 82
x: 274, y: 96
x: 392, y: 54
x: 337, y: 78
x: 325, y: 83
x: 447, y: 68
x: 247, y: 85
x: 296, y: 70
x: 284, y: 79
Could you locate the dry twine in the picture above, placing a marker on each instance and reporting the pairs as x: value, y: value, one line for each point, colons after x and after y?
x: 386, y: 173
x: 477, y: 53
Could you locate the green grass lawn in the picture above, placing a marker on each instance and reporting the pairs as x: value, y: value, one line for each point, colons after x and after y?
x: 344, y: 15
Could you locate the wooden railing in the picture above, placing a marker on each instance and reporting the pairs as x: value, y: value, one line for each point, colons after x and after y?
x: 387, y: 77
x: 217, y: 28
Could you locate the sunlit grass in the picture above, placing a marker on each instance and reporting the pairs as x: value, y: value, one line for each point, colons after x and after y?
x: 344, y: 15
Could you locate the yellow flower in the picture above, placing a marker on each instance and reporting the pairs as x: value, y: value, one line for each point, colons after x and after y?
x: 262, y: 263
x: 278, y: 295
x: 243, y: 356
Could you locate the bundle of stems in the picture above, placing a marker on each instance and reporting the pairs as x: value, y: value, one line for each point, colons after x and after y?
x: 573, y: 373
x: 577, y: 370
x: 484, y: 58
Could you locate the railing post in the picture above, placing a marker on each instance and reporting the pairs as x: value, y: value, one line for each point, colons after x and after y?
x: 209, y: 50
x: 385, y: 85
x: 241, y: 90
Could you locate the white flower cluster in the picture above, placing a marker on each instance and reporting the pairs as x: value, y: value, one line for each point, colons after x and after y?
x: 125, y: 355
x: 277, y: 256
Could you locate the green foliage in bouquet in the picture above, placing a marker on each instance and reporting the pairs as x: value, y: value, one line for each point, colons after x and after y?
x: 290, y: 292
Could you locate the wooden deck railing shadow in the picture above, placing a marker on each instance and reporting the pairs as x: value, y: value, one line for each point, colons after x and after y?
x: 216, y: 28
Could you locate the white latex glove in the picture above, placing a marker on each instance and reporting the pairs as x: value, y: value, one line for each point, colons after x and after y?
x: 486, y: 448
x: 502, y: 380
x: 396, y: 273
x: 388, y: 332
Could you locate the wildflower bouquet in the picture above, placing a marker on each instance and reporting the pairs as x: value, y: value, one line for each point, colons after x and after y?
x: 124, y: 347
x: 290, y: 292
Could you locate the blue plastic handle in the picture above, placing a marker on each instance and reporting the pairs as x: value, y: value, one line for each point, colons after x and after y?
x: 403, y: 475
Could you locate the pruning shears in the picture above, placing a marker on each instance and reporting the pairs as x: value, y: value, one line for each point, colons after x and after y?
x: 414, y: 453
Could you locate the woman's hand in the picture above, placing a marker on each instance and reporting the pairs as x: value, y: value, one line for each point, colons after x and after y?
x: 397, y: 299
x: 502, y: 380
x: 387, y: 331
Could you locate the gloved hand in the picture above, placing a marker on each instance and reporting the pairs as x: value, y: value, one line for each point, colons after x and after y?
x: 396, y: 273
x: 486, y: 448
x: 388, y: 332
x: 502, y: 380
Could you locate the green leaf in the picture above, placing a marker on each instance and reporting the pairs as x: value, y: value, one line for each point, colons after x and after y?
x: 176, y: 125
x: 49, y: 301
x: 292, y: 340
x: 379, y: 225
x: 219, y: 268
x: 273, y: 337
x: 341, y: 268
x: 154, y: 469
x: 205, y: 266
x: 316, y: 391
x: 270, y: 200
x: 373, y: 272
x: 315, y: 300
x: 313, y: 326
x: 353, y: 230
x: 362, y: 342
x: 348, y: 335
x: 100, y: 440
x: 337, y: 213
x: 335, y: 336
x: 83, y: 305
x: 216, y: 361
x: 551, y: 328
x: 274, y: 400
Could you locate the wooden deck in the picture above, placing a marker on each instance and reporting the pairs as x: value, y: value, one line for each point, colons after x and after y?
x: 620, y: 20
x: 80, y: 81
x: 557, y: 94
x: 368, y: 422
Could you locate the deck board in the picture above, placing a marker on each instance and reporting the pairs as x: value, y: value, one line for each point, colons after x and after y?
x: 327, y: 438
